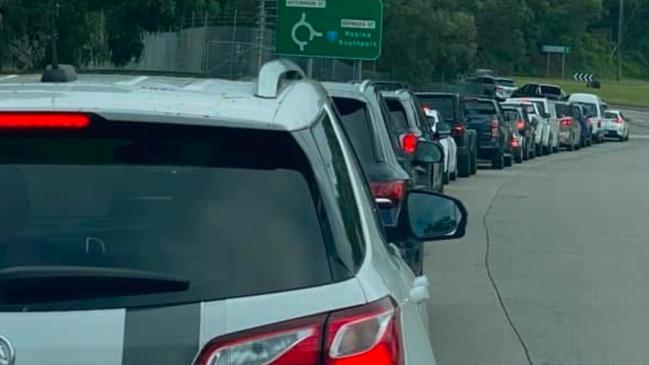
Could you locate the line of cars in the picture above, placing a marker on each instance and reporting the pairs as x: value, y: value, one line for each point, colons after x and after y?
x: 279, y: 221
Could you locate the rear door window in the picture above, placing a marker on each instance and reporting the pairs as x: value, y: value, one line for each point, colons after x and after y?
x: 194, y: 204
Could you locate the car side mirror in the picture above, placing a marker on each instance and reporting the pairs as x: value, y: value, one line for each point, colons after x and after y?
x: 428, y: 152
x: 430, y: 217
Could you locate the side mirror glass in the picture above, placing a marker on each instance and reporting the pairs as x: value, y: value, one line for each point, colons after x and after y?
x: 432, y: 217
x: 428, y: 152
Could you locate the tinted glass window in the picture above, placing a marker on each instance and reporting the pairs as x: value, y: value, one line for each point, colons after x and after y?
x: 540, y: 106
x: 472, y: 107
x: 610, y: 115
x: 194, y: 204
x: 550, y: 90
x: 398, y: 115
x: 563, y: 110
x: 358, y: 126
x: 444, y: 105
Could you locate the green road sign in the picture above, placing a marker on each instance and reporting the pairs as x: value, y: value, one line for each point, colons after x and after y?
x: 556, y: 49
x: 330, y: 28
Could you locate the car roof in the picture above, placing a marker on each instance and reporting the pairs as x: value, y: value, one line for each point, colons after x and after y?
x: 178, y: 100
x: 438, y: 94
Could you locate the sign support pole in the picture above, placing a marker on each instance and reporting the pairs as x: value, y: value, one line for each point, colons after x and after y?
x: 563, y: 66
x: 548, y: 69
x: 309, y: 68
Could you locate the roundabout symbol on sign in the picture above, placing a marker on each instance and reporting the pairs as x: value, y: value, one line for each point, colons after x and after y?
x: 312, y: 33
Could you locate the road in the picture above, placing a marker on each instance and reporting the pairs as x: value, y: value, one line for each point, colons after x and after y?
x: 553, y: 269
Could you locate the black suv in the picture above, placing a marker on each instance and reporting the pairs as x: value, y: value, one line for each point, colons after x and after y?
x: 494, y: 135
x: 364, y: 117
x: 412, y: 127
x: 553, y: 92
x: 451, y: 107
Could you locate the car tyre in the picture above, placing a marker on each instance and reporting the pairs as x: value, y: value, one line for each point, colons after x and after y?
x: 474, y: 161
x: 498, y: 163
x: 519, y: 157
x: 509, y: 160
x: 464, y: 166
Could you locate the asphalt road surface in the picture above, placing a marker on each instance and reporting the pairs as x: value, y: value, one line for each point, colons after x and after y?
x: 555, y: 265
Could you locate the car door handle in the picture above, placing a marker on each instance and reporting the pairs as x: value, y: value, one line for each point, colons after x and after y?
x: 419, y: 292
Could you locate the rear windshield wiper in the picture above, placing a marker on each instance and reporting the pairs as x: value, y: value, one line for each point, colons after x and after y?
x: 37, y: 284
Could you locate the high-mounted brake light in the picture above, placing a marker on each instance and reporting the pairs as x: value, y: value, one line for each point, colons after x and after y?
x: 369, y: 334
x: 13, y: 120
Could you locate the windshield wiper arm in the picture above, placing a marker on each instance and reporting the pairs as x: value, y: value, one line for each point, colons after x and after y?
x: 21, y: 284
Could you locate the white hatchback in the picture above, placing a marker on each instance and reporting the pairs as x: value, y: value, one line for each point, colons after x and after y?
x: 205, y: 222
x: 616, y: 125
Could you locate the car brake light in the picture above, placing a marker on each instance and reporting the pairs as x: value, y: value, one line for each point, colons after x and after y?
x: 458, y: 130
x: 515, y: 143
x: 619, y: 120
x: 495, y: 128
x: 395, y: 191
x: 566, y: 122
x: 42, y: 120
x: 365, y: 335
x: 409, y: 143
x: 368, y: 334
x: 520, y: 124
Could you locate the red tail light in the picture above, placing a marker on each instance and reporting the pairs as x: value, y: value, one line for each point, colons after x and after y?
x: 589, y: 121
x: 619, y: 120
x: 566, y: 122
x: 458, y: 130
x: 409, y: 143
x: 515, y: 143
x: 369, y: 334
x: 13, y: 120
x: 520, y: 124
x: 495, y: 128
x: 365, y: 335
x: 395, y: 191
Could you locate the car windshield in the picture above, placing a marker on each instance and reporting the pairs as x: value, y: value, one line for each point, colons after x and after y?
x: 590, y: 109
x: 563, y: 110
x: 195, y: 200
x: 550, y: 90
x: 358, y: 125
x: 506, y: 82
x: 444, y: 105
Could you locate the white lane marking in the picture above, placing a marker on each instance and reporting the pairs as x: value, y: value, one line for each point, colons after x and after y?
x: 8, y: 77
x: 133, y: 82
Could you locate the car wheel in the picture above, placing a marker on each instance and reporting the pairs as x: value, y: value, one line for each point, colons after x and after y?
x: 539, y: 150
x: 519, y: 157
x: 498, y: 163
x: 464, y: 166
x: 526, y: 153
x: 509, y: 160
x: 571, y: 146
x: 555, y: 149
x: 474, y: 161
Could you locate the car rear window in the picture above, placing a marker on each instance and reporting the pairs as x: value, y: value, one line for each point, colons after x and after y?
x: 550, y: 90
x: 472, y: 107
x: 506, y: 82
x: 357, y: 124
x: 398, y: 115
x: 443, y: 104
x: 563, y: 110
x: 195, y: 203
x: 610, y: 115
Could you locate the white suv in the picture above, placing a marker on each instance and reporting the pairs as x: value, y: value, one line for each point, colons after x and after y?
x: 183, y: 221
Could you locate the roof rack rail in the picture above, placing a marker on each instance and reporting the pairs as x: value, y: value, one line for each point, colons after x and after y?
x: 391, y: 85
x: 59, y: 73
x: 274, y: 74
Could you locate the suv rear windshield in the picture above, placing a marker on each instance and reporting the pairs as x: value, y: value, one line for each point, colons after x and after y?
x: 358, y: 126
x: 472, y: 107
x: 443, y: 104
x: 191, y: 203
x: 563, y: 110
x: 398, y: 115
x: 610, y: 115
x: 550, y: 90
x: 506, y: 82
